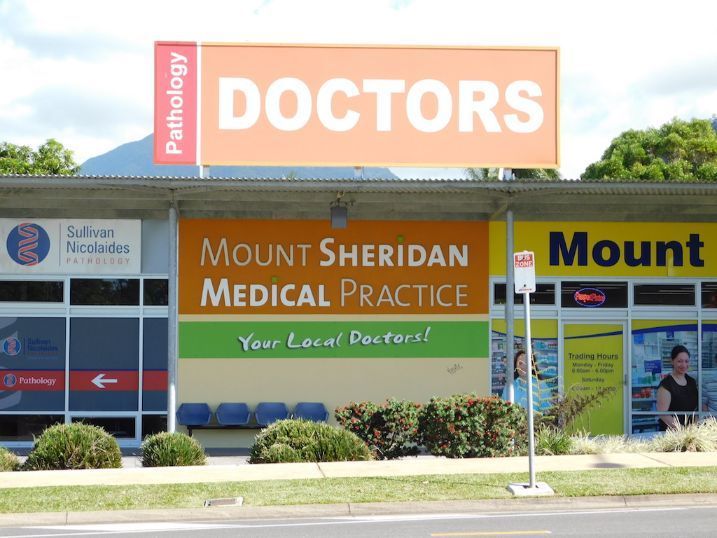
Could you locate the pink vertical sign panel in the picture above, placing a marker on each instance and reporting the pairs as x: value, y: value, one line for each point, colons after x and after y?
x: 175, y: 103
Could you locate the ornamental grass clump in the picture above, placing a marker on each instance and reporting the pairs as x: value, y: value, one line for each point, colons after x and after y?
x: 293, y: 441
x: 695, y: 437
x: 470, y: 426
x: 8, y: 460
x: 74, y: 446
x: 390, y: 430
x: 551, y: 441
x: 172, y: 450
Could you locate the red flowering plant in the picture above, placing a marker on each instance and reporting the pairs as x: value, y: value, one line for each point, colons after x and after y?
x: 390, y: 430
x: 470, y: 426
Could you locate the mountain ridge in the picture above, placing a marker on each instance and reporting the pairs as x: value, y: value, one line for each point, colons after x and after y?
x: 135, y: 159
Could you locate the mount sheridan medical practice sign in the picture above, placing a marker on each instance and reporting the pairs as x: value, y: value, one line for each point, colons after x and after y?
x: 285, y: 289
x: 222, y: 104
x: 56, y: 246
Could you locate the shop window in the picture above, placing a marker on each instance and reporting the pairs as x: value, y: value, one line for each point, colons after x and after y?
x: 652, y: 343
x: 154, y: 375
x: 104, y: 292
x: 545, y: 354
x: 709, y: 368
x: 120, y: 427
x: 664, y: 294
x: 26, y: 427
x: 152, y: 424
x: 31, y: 291
x: 156, y: 292
x: 544, y: 295
x: 104, y: 364
x: 709, y: 294
x: 593, y: 295
x: 32, y: 364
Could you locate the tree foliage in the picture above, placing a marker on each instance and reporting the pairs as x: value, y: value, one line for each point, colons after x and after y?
x: 677, y: 151
x: 518, y: 173
x: 51, y: 158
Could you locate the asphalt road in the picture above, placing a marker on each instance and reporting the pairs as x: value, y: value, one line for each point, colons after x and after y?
x: 658, y: 522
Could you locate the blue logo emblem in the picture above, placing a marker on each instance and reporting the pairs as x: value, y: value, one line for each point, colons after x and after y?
x: 11, y: 346
x: 9, y: 380
x: 28, y: 243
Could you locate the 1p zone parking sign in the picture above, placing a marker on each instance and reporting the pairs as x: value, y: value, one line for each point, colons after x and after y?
x: 524, y: 271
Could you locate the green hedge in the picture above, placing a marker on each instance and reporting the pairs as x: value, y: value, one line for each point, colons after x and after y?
x: 390, y: 430
x: 74, y: 446
x: 289, y: 441
x: 470, y: 426
x: 8, y: 460
x: 172, y: 450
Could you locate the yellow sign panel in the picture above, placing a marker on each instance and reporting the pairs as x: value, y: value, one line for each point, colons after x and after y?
x: 593, y: 361
x: 539, y: 328
x: 615, y: 249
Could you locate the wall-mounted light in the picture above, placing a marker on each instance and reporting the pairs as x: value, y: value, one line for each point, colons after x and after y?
x: 339, y: 211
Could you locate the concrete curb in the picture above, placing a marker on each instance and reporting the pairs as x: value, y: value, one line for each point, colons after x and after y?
x: 359, y: 469
x: 358, y: 510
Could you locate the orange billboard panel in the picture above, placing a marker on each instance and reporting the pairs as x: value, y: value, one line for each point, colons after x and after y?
x: 370, y: 105
x: 305, y: 267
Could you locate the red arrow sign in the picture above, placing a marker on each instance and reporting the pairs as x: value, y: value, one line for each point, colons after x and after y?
x: 155, y: 380
x: 104, y: 380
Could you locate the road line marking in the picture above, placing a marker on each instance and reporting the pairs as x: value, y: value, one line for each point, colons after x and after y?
x: 494, y: 533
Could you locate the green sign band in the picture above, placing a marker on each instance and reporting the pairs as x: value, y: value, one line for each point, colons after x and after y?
x: 341, y: 339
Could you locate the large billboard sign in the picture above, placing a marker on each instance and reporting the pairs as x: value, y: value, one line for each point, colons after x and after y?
x: 376, y: 289
x: 613, y: 249
x: 221, y: 104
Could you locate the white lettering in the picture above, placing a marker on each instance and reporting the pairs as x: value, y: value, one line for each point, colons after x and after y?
x: 228, y: 86
x: 303, y: 104
x: 324, y: 105
x: 383, y: 89
x: 444, y: 105
x: 516, y: 101
x: 467, y: 105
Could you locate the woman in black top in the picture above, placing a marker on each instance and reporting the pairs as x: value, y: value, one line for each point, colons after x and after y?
x: 677, y: 391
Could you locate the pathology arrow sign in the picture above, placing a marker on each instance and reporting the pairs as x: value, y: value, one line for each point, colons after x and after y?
x: 106, y: 380
x: 100, y: 381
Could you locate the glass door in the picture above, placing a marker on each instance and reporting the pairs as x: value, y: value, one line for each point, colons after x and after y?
x: 593, y: 367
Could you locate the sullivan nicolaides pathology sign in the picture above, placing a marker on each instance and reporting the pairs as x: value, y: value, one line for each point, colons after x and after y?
x: 70, y: 246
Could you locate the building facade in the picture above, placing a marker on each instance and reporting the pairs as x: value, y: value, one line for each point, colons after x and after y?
x: 408, y: 301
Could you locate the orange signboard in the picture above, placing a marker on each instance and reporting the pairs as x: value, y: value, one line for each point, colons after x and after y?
x: 356, y: 105
x: 305, y: 267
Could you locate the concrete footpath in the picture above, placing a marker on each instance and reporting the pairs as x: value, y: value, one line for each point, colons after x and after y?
x: 235, y: 469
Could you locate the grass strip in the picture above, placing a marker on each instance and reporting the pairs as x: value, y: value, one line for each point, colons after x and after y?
x: 357, y: 490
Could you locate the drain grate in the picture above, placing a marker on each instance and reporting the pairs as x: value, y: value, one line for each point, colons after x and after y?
x: 228, y: 501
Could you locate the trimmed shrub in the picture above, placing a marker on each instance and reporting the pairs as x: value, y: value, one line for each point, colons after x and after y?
x: 469, y: 426
x: 8, y: 460
x: 389, y: 430
x: 74, y: 446
x: 289, y: 441
x: 551, y: 441
x: 171, y: 450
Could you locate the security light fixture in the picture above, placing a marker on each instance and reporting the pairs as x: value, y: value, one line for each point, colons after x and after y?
x: 339, y: 211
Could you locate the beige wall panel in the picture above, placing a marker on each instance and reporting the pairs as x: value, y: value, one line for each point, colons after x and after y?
x: 334, y: 382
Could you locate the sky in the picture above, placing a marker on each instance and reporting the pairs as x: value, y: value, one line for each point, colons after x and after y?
x: 81, y: 71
